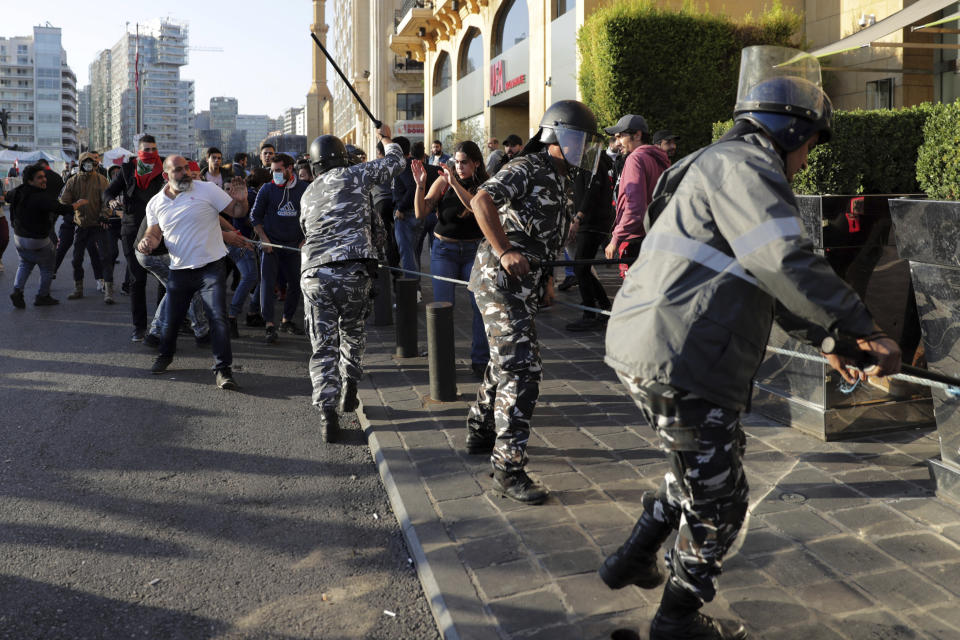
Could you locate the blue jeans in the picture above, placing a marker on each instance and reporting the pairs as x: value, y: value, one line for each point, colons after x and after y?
x: 454, y: 260
x: 246, y: 261
x: 35, y: 253
x: 159, y: 266
x: 270, y: 264
x: 406, y: 232
x: 210, y: 281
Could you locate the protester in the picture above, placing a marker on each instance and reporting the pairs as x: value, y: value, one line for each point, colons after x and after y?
x: 641, y: 169
x: 139, y: 180
x: 215, y: 172
x: 534, y: 191
x: 92, y: 222
x: 68, y: 231
x: 267, y: 151
x: 191, y: 228
x: 246, y: 261
x: 495, y: 158
x: 429, y: 223
x: 114, y: 228
x: 33, y: 209
x: 239, y: 166
x: 383, y: 207
x: 667, y: 141
x: 304, y: 173
x: 4, y: 227
x: 437, y: 155
x: 276, y: 220
x: 339, y: 257
x: 689, y: 327
x: 406, y: 226
x: 457, y: 235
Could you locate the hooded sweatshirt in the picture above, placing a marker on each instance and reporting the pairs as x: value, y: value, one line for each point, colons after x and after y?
x: 641, y: 170
x: 33, y: 211
x: 87, y: 185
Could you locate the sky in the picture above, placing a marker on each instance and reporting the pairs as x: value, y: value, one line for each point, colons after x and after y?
x: 267, y: 50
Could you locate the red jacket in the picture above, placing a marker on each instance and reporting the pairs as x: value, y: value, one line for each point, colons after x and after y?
x: 640, y: 173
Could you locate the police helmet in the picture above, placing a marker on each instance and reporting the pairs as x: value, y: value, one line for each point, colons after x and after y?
x: 571, y: 125
x: 326, y: 152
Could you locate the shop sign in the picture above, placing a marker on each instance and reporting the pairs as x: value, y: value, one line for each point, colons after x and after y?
x: 498, y: 84
x: 409, y: 127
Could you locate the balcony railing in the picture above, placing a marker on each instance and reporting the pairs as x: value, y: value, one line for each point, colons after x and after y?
x: 414, y: 4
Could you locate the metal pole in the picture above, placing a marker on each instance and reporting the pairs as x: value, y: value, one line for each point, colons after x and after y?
x: 440, y: 352
x: 383, y: 303
x: 406, y: 290
x: 376, y: 123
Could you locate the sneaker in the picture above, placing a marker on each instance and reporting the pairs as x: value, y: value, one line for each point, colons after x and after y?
x: 151, y: 340
x: 160, y: 364
x: 568, y: 283
x: 202, y: 341
x: 517, y: 485
x: 137, y: 335
x: 225, y: 379
x: 271, y: 334
x: 287, y: 326
x: 45, y: 301
x: 255, y: 320
x: 17, y: 298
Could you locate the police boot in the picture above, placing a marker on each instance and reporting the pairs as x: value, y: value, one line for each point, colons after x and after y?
x: 108, y: 293
x: 635, y: 562
x: 517, y: 485
x: 329, y: 424
x: 77, y: 290
x: 348, y: 396
x: 679, y: 618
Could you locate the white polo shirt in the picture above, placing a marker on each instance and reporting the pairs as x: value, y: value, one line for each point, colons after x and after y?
x: 190, y: 224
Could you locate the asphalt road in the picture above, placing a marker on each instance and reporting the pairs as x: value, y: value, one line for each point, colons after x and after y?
x: 140, y: 506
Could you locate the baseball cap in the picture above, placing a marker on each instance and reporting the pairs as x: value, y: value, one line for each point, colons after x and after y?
x: 664, y: 134
x: 628, y: 122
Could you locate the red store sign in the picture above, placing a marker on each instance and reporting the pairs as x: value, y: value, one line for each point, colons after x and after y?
x: 497, y: 83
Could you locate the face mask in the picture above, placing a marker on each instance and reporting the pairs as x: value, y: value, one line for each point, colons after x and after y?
x: 148, y: 157
x: 278, y: 178
x: 87, y: 166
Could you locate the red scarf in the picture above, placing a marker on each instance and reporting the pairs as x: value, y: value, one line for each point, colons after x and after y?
x: 148, y: 168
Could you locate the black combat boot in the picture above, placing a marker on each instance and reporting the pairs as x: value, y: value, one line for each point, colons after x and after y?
x: 348, y: 396
x: 518, y: 486
x: 679, y: 618
x: 635, y: 562
x: 329, y: 424
x: 480, y: 438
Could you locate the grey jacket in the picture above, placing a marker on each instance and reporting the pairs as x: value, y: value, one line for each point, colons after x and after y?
x: 696, y: 308
x: 335, y: 212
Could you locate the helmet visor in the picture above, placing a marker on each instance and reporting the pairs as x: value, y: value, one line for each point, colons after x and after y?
x: 780, y: 80
x: 581, y: 149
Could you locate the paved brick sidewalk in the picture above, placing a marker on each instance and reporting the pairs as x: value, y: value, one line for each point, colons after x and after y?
x: 845, y: 539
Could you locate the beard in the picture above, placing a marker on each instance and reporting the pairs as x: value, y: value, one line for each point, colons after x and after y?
x: 182, y: 184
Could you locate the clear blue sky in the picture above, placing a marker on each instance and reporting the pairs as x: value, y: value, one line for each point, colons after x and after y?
x: 267, y: 50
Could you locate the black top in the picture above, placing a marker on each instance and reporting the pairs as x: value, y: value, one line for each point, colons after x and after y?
x: 450, y: 224
x: 34, y: 210
x: 136, y: 199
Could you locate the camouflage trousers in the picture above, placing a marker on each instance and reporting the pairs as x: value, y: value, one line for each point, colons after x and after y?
x: 511, y: 381
x: 337, y: 302
x: 704, y: 495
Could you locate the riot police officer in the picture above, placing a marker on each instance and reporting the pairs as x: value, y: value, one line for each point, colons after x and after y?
x: 339, y: 256
x: 688, y: 331
x: 524, y: 212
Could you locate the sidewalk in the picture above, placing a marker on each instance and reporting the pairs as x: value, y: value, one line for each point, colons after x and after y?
x: 846, y: 540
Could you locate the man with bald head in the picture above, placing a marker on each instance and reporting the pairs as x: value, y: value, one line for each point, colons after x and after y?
x: 185, y: 215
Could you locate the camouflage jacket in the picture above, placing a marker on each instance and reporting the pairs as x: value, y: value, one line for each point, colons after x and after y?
x: 535, y: 202
x: 335, y: 212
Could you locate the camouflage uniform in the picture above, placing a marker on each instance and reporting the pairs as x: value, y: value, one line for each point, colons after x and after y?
x: 704, y: 495
x: 536, y: 208
x: 338, y: 253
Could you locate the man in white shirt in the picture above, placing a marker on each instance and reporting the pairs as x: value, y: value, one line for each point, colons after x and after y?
x: 186, y: 215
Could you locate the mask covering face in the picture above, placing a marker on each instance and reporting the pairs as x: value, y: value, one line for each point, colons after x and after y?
x: 148, y: 157
x: 86, y: 166
x: 278, y: 178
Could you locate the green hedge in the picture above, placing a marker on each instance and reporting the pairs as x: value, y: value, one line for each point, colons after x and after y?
x: 871, y: 152
x: 938, y: 162
x: 677, y: 68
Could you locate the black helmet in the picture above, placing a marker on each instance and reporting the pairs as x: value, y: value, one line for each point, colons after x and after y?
x: 790, y: 110
x: 327, y: 152
x: 572, y: 125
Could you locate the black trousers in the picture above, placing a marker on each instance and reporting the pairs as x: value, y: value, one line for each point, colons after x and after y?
x: 384, y: 209
x: 592, y: 293
x: 138, y: 284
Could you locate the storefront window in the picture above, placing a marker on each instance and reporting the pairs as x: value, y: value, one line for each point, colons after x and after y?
x: 409, y: 106
x: 441, y: 74
x: 471, y: 52
x: 512, y: 26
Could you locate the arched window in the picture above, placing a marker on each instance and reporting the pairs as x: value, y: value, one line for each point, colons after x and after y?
x: 512, y: 25
x: 441, y: 73
x: 471, y: 53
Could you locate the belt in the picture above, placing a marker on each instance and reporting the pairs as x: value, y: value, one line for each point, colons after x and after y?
x: 446, y: 239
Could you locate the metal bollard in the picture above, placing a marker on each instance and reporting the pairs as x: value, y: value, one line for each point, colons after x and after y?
x: 440, y: 352
x: 406, y: 290
x: 383, y: 303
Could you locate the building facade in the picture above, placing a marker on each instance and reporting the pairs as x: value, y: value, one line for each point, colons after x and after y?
x: 390, y: 84
x: 257, y: 128
x: 39, y: 91
x: 166, y: 103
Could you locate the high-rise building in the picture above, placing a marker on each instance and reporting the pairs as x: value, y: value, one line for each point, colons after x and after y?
x: 223, y: 113
x: 39, y: 91
x: 165, y: 108
x: 256, y: 127
x: 83, y: 117
x: 290, y: 121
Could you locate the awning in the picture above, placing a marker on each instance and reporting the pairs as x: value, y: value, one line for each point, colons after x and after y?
x: 950, y: 18
x: 899, y: 20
